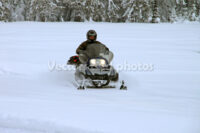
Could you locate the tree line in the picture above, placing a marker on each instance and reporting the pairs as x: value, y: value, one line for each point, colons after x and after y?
x: 142, y: 11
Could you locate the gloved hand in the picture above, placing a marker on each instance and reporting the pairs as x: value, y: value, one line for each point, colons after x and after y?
x: 73, y: 60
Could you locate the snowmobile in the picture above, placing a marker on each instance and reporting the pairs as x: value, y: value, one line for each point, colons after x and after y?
x: 96, y: 72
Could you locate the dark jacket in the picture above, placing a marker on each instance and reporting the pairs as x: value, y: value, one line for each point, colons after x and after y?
x: 84, y: 45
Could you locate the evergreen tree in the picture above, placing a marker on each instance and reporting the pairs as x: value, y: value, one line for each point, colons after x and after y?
x: 184, y: 10
x: 5, y: 13
x: 192, y: 11
x: 198, y: 9
x: 155, y: 18
x: 26, y: 11
x: 146, y: 12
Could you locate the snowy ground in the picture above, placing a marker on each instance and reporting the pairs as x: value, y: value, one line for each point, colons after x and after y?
x: 35, y: 100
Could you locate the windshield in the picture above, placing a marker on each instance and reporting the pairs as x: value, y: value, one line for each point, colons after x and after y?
x: 95, y: 50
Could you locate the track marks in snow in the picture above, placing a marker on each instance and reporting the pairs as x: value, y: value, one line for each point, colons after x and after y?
x: 4, y: 71
x: 10, y: 124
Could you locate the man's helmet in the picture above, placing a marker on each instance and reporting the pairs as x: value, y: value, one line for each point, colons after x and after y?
x: 91, y: 35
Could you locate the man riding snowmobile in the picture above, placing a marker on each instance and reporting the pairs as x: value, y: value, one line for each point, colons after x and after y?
x: 91, y: 39
x: 93, y: 64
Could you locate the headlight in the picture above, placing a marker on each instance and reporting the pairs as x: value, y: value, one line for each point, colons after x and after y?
x: 93, y: 62
x: 102, y: 62
x: 98, y: 62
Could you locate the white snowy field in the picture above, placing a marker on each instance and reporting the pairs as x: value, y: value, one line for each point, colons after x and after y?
x: 35, y: 100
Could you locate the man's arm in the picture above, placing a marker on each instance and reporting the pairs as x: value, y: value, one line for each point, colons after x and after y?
x: 81, y: 47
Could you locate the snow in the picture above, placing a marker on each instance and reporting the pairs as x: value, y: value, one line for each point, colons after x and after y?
x: 35, y: 100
